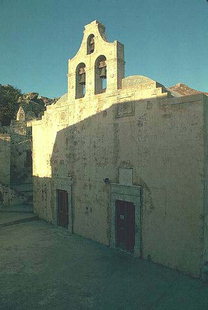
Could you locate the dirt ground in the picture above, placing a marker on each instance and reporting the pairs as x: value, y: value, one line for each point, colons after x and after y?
x: 44, y: 267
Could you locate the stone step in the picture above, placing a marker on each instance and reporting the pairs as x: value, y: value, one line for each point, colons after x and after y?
x: 22, y: 208
x: 27, y: 187
x: 9, y: 221
x: 24, y: 189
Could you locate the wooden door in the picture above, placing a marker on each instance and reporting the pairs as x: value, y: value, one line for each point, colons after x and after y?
x: 62, y: 197
x: 125, y: 225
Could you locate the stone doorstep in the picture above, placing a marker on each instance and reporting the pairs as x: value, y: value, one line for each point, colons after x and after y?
x: 23, y: 220
x: 13, y: 210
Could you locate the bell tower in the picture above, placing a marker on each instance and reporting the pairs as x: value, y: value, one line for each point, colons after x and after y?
x: 98, y: 66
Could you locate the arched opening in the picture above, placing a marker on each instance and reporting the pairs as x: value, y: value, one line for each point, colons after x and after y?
x: 100, y: 75
x: 80, y: 80
x: 90, y: 44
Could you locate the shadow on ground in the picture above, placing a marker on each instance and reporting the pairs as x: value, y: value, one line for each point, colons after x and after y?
x: 44, y: 267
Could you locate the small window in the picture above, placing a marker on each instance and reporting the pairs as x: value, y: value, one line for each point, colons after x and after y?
x: 100, y: 75
x: 80, y: 80
x: 90, y: 44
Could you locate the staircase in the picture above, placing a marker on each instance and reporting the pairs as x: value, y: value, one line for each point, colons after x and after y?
x: 19, y: 196
x: 25, y: 190
x: 16, y: 215
x: 16, y: 205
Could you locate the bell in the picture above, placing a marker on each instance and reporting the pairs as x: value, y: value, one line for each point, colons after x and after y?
x: 102, y: 64
x: 103, y: 73
x: 91, y: 49
x: 92, y: 40
x: 91, y: 45
x: 82, y: 79
x: 81, y: 70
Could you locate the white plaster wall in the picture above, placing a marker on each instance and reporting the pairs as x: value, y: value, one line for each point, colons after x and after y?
x: 163, y: 143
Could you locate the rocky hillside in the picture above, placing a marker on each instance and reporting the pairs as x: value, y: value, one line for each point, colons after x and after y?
x: 184, y: 90
x: 34, y: 105
x: 12, y: 98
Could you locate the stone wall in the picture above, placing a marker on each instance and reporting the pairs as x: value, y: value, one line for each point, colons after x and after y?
x: 205, y: 175
x: 5, y: 144
x: 15, y: 164
x: 21, y: 153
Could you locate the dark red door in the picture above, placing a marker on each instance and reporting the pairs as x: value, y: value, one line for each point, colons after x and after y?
x: 125, y: 225
x: 62, y: 208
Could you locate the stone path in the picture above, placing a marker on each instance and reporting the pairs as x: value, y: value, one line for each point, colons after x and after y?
x: 44, y: 267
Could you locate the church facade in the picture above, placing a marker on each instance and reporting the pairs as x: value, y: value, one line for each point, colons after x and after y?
x: 123, y: 160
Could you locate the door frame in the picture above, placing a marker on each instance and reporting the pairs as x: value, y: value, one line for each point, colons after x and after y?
x: 130, y: 194
x: 65, y: 185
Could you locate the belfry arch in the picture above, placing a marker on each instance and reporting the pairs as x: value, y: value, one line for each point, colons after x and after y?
x: 80, y: 80
x: 90, y: 44
x: 100, y: 74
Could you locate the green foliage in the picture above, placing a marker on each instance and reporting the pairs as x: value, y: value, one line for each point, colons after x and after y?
x: 8, y: 103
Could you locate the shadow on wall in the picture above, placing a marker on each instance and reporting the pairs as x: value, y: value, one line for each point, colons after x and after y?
x: 133, y: 135
x: 15, y: 165
x: 5, y: 149
x: 8, y: 196
x: 21, y: 159
x: 154, y: 137
x: 84, y: 155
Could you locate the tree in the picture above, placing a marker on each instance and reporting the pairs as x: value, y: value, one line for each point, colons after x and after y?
x: 9, y: 105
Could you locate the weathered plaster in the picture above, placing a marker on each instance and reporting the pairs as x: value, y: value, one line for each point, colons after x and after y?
x: 137, y: 126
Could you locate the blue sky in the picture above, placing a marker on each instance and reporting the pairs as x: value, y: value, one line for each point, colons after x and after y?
x: 164, y: 40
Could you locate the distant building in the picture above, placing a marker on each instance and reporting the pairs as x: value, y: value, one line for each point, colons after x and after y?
x: 16, y: 151
x: 123, y: 160
x: 15, y: 163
